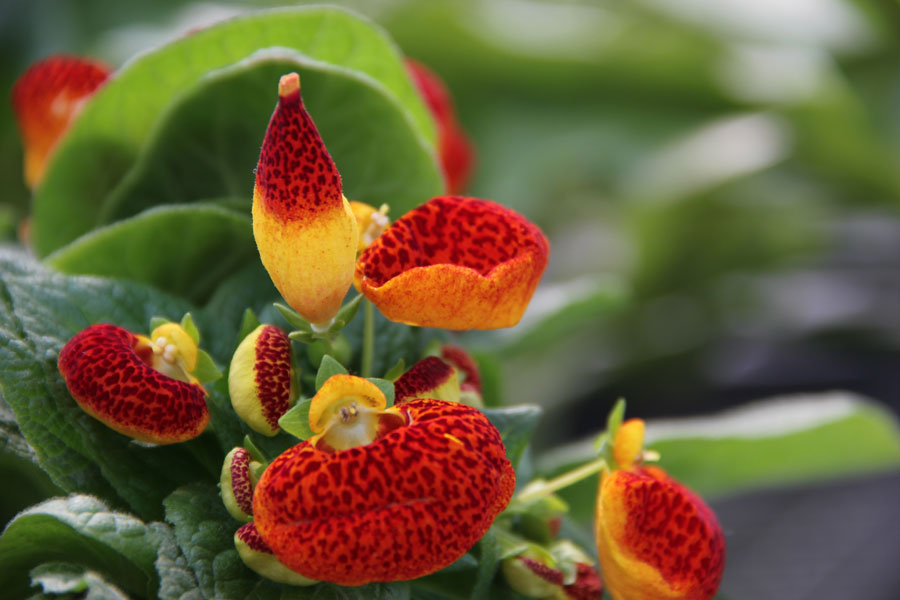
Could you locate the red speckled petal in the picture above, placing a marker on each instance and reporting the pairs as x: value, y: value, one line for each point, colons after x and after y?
x: 461, y: 359
x: 656, y: 538
x: 454, y: 263
x: 304, y: 228
x: 112, y: 383
x: 456, y: 152
x: 273, y: 373
x: 406, y: 505
x: 46, y: 98
x: 431, y: 377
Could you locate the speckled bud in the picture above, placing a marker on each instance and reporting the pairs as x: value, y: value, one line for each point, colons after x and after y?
x: 258, y: 557
x: 236, y: 485
x: 431, y: 377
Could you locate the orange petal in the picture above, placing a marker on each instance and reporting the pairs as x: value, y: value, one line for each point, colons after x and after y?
x: 455, y: 150
x: 431, y: 377
x: 260, y: 379
x: 409, y: 503
x: 629, y: 443
x: 304, y: 228
x: 656, y: 539
x: 45, y: 99
x: 454, y: 263
x: 112, y: 382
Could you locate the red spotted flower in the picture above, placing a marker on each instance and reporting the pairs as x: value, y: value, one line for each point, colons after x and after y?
x: 382, y: 494
x: 141, y: 387
x: 453, y: 262
x: 46, y: 98
x: 655, y: 538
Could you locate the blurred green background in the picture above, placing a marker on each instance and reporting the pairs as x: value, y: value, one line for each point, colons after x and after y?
x: 720, y: 182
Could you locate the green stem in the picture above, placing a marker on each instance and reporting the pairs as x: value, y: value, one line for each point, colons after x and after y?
x: 368, y: 348
x: 562, y: 481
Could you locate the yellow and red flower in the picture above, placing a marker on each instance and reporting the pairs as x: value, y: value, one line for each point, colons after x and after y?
x: 454, y: 149
x: 141, y: 387
x: 46, y: 98
x: 454, y: 263
x: 382, y: 494
x: 656, y: 539
x: 304, y: 227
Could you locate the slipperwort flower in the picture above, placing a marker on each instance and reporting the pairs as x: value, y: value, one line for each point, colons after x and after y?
x: 655, y: 538
x: 141, y: 387
x: 414, y: 487
x: 46, y: 98
x: 305, y: 230
x: 454, y: 263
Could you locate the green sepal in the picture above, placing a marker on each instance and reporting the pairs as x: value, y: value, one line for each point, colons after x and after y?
x: 386, y: 387
x: 206, y: 370
x: 187, y: 323
x: 327, y: 369
x: 396, y: 371
x: 509, y: 544
x: 157, y: 321
x: 296, y: 420
x: 603, y: 442
x: 346, y: 314
x: 293, y: 319
x: 249, y: 322
x: 302, y: 336
x: 255, y: 453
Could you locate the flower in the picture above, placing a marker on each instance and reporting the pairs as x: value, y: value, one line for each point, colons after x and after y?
x: 261, y: 379
x: 470, y: 384
x: 655, y: 537
x: 454, y: 263
x: 562, y: 572
x: 371, y: 222
x: 236, y: 484
x: 382, y: 494
x: 258, y: 556
x: 454, y: 148
x: 46, y: 99
x: 305, y: 231
x: 431, y: 377
x: 141, y: 387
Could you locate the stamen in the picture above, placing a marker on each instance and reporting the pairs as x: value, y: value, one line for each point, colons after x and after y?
x: 170, y: 353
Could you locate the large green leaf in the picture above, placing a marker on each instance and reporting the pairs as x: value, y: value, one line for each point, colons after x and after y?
x: 184, y: 250
x: 102, y: 145
x: 39, y: 311
x: 79, y: 529
x: 60, y: 579
x: 206, y: 144
x: 793, y: 440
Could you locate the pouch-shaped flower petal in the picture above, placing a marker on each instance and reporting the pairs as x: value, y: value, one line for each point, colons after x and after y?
x: 305, y: 231
x: 454, y: 263
x: 45, y: 99
x: 405, y: 505
x: 656, y: 539
x: 108, y: 371
x: 260, y: 379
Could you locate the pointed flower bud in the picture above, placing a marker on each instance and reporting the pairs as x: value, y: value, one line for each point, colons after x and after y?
x: 455, y: 150
x: 304, y: 228
x: 431, y: 377
x: 408, y: 503
x: 470, y: 376
x: 46, y: 98
x: 258, y: 557
x: 236, y: 484
x: 563, y: 573
x: 370, y: 222
x: 141, y: 387
x: 261, y: 379
x: 454, y: 263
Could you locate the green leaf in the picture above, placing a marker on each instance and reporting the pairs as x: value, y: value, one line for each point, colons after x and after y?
x: 176, y: 579
x: 328, y: 368
x: 488, y: 563
x: 185, y: 250
x: 187, y: 323
x: 206, y: 370
x: 79, y: 529
x: 249, y: 323
x: 516, y: 424
x: 394, y: 373
x: 386, y: 387
x: 40, y: 311
x: 104, y: 142
x: 783, y: 441
x: 157, y: 322
x: 59, y: 578
x: 296, y: 420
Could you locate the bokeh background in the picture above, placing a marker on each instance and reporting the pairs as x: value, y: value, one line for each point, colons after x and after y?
x: 720, y: 181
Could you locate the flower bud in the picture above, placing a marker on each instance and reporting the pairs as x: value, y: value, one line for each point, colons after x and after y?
x: 431, y: 377
x: 470, y: 391
x: 563, y: 572
x: 261, y: 379
x: 236, y: 484
x: 258, y: 557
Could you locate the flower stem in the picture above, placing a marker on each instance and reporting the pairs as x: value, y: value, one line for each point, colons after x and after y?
x: 562, y: 481
x: 368, y: 347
